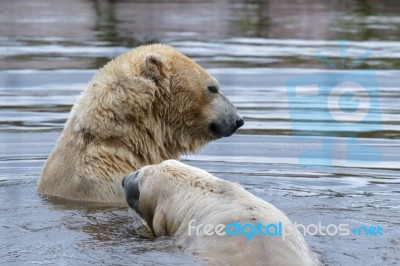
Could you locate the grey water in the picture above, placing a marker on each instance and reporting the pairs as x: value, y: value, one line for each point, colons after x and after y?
x: 49, y: 50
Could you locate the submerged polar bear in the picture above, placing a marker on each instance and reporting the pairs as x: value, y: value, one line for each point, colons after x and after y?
x: 173, y: 197
x: 147, y: 105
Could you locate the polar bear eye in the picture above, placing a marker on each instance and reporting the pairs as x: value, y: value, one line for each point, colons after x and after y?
x: 213, y: 89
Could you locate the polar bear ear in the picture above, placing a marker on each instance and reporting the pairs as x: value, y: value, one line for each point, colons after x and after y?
x: 154, y: 69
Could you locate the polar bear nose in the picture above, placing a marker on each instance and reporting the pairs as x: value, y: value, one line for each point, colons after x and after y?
x: 131, y: 175
x: 239, y: 122
x: 131, y: 189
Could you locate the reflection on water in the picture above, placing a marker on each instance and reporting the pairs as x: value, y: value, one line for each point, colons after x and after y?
x: 41, y: 34
x: 236, y: 41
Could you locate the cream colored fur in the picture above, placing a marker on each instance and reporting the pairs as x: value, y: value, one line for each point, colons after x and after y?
x: 147, y: 105
x: 172, y: 194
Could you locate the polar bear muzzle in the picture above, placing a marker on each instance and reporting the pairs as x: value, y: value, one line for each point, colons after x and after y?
x: 227, y: 119
x: 130, y: 184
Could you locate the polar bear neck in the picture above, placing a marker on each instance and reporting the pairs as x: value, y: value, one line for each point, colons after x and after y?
x: 120, y: 123
x: 105, y: 150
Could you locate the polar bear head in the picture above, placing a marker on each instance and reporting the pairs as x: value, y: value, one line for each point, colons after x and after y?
x: 166, y: 195
x: 196, y: 102
x: 163, y: 94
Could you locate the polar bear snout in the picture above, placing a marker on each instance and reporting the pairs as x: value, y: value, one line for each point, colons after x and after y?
x: 239, y: 122
x: 130, y: 183
x: 227, y: 119
x: 226, y: 128
x: 131, y: 175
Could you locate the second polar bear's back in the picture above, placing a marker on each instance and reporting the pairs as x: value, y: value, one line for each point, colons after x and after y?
x: 191, y: 196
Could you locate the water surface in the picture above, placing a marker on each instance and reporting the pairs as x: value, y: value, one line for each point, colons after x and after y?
x: 48, y: 56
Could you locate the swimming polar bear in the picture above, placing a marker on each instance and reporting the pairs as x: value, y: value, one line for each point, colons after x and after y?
x: 148, y: 105
x: 207, y: 216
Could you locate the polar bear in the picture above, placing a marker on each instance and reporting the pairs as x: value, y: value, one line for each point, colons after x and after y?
x: 148, y: 105
x: 195, y: 206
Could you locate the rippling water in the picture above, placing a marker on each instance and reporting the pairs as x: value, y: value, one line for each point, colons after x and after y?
x: 254, y: 50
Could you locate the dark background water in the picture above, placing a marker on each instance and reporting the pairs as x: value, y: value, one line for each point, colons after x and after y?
x: 80, y: 34
x: 50, y: 49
